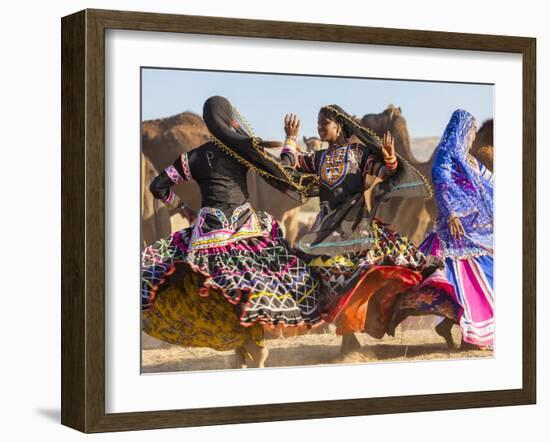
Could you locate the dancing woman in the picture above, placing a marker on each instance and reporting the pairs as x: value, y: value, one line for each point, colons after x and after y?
x: 362, y: 262
x: 463, y: 237
x: 215, y: 283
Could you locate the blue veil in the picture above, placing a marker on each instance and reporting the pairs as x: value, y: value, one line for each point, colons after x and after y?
x: 461, y: 190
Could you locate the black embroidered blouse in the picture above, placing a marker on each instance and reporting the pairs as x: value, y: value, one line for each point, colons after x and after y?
x: 221, y: 178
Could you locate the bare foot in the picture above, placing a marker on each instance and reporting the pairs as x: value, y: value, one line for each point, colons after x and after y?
x: 262, y: 357
x: 240, y: 357
x: 466, y: 346
x: 443, y: 329
x: 350, y: 343
x: 258, y: 355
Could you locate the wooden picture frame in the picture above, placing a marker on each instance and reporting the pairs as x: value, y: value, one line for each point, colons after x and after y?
x: 83, y: 219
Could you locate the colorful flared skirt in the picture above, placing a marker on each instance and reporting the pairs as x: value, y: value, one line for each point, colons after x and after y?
x: 462, y: 292
x: 244, y: 259
x: 360, y: 288
x: 431, y: 297
x: 472, y: 279
x: 182, y: 317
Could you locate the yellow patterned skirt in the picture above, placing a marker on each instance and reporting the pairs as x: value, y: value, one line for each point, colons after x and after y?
x: 183, y: 317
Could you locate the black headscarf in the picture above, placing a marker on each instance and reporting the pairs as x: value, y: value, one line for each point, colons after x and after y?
x: 231, y: 134
x: 406, y: 182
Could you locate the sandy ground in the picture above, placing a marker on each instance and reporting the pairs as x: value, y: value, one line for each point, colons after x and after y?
x: 409, y: 344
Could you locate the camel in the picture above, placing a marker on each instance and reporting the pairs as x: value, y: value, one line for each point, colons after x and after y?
x: 155, y: 218
x: 412, y: 217
x: 164, y: 139
x: 313, y: 143
x: 168, y: 137
x: 483, y: 148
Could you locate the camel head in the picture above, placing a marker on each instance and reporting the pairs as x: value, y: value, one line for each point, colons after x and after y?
x: 312, y: 143
x: 483, y: 148
x: 485, y: 155
x: 382, y: 121
x: 391, y: 119
x: 484, y: 135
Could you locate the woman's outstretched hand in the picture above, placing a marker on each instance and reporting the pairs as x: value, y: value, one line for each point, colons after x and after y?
x: 292, y: 125
x: 388, y: 146
x: 456, y: 228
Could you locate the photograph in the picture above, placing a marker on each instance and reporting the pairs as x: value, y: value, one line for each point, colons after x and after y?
x: 293, y: 220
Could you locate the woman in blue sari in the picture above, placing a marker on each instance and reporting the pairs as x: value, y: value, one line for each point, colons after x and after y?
x: 463, y: 237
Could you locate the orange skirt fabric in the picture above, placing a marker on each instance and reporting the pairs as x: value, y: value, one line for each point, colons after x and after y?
x: 368, y: 306
x: 360, y: 288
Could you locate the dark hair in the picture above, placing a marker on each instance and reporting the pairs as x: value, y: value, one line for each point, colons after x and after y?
x: 350, y: 126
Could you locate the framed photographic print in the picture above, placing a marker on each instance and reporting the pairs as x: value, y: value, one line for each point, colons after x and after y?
x: 270, y: 220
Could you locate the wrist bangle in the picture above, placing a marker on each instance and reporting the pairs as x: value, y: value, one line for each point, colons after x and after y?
x: 289, y: 145
x: 171, y: 200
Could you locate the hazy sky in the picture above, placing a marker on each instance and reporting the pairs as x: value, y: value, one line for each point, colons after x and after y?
x: 263, y: 99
